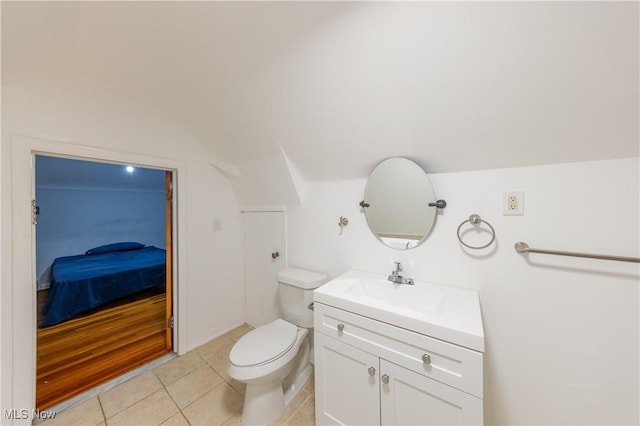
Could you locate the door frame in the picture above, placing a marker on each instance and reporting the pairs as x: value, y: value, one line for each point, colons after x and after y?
x: 20, y: 368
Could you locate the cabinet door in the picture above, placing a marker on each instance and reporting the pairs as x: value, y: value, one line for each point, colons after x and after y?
x: 408, y: 398
x: 347, y: 384
x: 263, y: 235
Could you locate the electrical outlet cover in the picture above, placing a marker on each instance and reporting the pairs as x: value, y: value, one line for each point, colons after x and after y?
x: 513, y: 203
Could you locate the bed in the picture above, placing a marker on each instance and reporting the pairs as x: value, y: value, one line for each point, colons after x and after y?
x: 104, y: 274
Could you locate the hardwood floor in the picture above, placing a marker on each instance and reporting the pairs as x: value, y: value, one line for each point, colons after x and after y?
x: 84, y: 352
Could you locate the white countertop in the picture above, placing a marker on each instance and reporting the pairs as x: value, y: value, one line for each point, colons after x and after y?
x: 444, y: 312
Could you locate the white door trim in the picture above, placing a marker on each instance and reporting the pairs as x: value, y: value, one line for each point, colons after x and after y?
x: 19, y: 363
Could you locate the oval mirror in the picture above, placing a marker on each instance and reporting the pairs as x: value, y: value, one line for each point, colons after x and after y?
x: 396, y: 203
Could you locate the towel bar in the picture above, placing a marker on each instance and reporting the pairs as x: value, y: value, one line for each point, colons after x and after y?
x: 522, y: 248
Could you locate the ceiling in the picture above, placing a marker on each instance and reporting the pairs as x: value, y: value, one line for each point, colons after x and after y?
x: 56, y: 172
x: 337, y: 86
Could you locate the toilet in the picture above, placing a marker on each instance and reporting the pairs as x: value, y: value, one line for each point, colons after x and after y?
x: 275, y: 359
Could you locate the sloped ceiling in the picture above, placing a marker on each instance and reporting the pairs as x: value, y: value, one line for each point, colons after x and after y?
x: 337, y: 86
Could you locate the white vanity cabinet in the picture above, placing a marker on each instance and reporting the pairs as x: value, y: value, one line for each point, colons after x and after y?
x: 371, y: 372
x: 349, y: 383
x: 408, y: 398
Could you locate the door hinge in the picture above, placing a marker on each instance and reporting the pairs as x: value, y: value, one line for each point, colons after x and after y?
x: 169, y: 193
x: 35, y: 211
x: 170, y: 322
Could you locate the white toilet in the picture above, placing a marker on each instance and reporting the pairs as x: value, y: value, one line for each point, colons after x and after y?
x: 274, y: 360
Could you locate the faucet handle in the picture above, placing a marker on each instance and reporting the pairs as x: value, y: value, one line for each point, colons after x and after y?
x: 398, y: 266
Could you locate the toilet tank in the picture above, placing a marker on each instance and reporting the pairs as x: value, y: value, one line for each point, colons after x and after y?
x: 295, y: 290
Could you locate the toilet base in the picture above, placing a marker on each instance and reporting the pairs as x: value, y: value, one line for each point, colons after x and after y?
x: 266, y: 396
x: 294, y: 388
x: 263, y: 403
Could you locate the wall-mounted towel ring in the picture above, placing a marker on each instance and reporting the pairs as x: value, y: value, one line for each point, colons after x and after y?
x: 475, y: 219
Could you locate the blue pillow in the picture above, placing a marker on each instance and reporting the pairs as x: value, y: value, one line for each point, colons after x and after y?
x: 109, y: 248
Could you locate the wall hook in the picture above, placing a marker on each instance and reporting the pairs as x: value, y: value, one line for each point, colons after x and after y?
x: 342, y: 223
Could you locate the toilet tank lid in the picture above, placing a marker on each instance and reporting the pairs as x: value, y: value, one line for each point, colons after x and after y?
x: 301, y: 278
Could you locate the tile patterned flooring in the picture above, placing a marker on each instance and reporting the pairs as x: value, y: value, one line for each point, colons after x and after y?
x: 193, y: 389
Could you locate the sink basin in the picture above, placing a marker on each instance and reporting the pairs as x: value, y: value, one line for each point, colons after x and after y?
x: 420, y: 301
x: 448, y: 313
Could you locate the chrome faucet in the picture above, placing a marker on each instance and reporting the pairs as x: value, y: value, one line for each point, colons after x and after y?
x: 395, y: 276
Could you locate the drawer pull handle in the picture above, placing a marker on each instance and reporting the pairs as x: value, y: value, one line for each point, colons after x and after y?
x: 372, y: 371
x: 385, y: 379
x: 426, y: 358
x: 340, y: 327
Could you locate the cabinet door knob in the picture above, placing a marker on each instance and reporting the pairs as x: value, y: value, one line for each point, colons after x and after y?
x: 372, y: 371
x: 340, y: 327
x: 426, y: 358
x: 385, y: 379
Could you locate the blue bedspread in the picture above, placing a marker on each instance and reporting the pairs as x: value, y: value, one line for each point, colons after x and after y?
x: 81, y: 283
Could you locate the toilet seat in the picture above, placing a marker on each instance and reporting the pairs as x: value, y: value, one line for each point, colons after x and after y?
x: 265, y: 344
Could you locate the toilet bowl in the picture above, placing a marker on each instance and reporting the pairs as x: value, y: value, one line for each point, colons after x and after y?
x: 266, y: 352
x: 277, y: 355
x: 262, y: 359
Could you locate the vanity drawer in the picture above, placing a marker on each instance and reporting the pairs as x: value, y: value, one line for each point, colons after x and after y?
x: 445, y: 362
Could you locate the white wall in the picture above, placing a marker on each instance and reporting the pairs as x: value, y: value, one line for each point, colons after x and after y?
x: 73, y: 220
x: 561, y: 333
x: 70, y: 111
x: 265, y: 180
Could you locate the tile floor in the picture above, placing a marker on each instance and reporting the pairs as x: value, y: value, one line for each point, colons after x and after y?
x: 193, y: 389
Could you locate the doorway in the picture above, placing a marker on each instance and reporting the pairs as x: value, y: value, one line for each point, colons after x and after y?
x: 19, y: 324
x: 104, y: 256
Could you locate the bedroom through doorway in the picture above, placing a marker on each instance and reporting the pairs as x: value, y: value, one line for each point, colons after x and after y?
x: 103, y: 251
